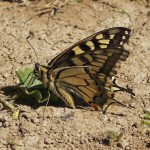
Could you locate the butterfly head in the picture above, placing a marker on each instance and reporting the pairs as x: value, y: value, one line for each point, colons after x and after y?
x: 37, y: 70
x: 40, y: 72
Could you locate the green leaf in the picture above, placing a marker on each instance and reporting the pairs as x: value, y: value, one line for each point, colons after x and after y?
x: 146, y: 122
x: 26, y: 78
x: 32, y: 86
x: 113, y: 136
x: 147, y: 116
x: 16, y: 114
x: 79, y: 0
x: 119, y: 10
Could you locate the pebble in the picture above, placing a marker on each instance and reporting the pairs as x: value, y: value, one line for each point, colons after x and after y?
x: 95, y: 6
x: 1, y: 106
x: 48, y: 141
x: 5, y: 75
x: 139, y: 77
x: 146, y: 110
x: 31, y: 140
x: 133, y: 104
x: 104, y: 118
x: 127, y: 148
x: 29, y: 126
x: 123, y: 144
x: 142, y: 116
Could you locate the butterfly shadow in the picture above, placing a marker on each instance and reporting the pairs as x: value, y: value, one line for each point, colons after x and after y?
x: 14, y: 95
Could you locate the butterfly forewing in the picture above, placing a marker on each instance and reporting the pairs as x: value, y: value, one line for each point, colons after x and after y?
x: 109, y: 38
x: 102, y: 60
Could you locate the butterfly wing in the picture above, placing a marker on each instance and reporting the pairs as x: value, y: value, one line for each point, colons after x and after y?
x: 112, y: 38
x: 73, y: 83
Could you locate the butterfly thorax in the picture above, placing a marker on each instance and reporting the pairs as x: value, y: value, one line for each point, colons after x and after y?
x: 43, y: 74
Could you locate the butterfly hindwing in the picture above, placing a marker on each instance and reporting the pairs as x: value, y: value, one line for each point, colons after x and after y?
x: 70, y: 81
x: 78, y: 83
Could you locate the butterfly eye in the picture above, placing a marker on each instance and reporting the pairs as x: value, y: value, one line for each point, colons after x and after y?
x: 37, y: 67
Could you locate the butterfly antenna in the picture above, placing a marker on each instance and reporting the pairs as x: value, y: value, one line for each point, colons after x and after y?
x: 32, y: 48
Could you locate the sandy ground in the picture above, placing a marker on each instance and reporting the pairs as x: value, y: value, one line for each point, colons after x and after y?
x: 62, y: 127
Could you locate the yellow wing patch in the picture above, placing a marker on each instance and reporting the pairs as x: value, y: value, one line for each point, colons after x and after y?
x: 112, y: 36
x: 100, y: 36
x: 77, y: 50
x: 121, y: 43
x: 104, y: 41
x: 103, y: 46
x: 90, y: 44
x: 123, y: 37
x: 126, y: 32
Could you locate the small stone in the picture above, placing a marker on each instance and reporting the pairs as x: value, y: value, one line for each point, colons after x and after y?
x: 123, y: 144
x: 95, y: 6
x: 5, y: 75
x: 146, y: 110
x: 142, y: 116
x: 1, y: 106
x: 136, y: 125
x: 133, y: 104
x: 31, y: 140
x: 139, y: 77
x: 29, y: 126
x: 35, y: 121
x: 105, y: 118
x: 128, y: 148
x: 48, y: 141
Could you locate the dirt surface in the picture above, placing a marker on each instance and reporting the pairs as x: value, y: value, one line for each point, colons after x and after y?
x: 62, y: 127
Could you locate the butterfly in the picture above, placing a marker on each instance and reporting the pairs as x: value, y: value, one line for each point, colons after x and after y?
x: 85, y: 70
